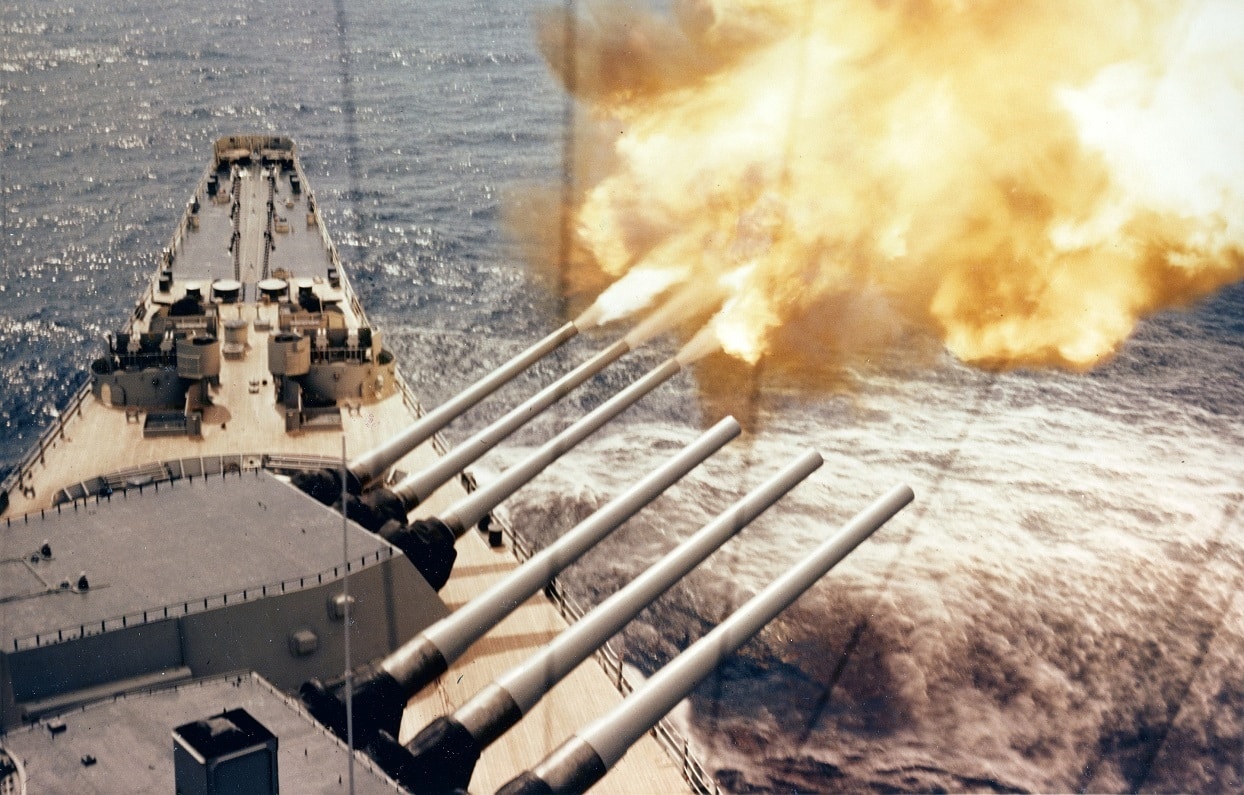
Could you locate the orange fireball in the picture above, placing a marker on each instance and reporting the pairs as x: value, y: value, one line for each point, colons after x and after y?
x: 1025, y: 181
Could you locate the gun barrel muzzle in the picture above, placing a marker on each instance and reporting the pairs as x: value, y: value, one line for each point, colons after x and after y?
x: 584, y: 759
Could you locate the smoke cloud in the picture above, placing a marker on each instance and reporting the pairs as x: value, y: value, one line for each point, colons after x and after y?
x: 1020, y: 183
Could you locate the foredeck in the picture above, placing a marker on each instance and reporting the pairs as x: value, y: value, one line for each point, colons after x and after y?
x: 244, y: 416
x: 244, y: 413
x: 99, y: 439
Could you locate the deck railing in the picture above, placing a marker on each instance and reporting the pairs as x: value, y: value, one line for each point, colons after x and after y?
x: 198, y: 605
x: 47, y: 438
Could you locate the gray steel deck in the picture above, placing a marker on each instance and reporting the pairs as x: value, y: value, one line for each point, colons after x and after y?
x: 297, y: 249
x: 184, y: 542
x: 130, y: 739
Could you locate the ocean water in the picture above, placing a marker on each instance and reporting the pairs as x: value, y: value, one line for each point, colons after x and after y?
x: 1060, y: 608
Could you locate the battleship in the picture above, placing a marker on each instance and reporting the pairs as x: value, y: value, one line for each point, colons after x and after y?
x: 244, y: 560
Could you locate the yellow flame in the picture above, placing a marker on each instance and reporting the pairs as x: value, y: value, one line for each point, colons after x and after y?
x: 1023, y: 180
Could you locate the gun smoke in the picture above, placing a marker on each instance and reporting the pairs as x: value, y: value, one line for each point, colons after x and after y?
x: 1018, y: 183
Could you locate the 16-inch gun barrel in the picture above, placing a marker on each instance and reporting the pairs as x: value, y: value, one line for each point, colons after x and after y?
x: 582, y: 760
x: 469, y: 510
x: 429, y: 542
x: 382, y: 690
x: 419, y: 486
x: 442, y: 757
x: 372, y: 464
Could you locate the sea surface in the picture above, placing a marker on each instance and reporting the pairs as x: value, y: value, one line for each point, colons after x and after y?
x: 1060, y: 608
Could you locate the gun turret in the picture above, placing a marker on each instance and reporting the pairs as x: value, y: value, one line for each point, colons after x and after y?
x: 325, y: 485
x: 442, y: 757
x: 382, y: 690
x: 584, y: 759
